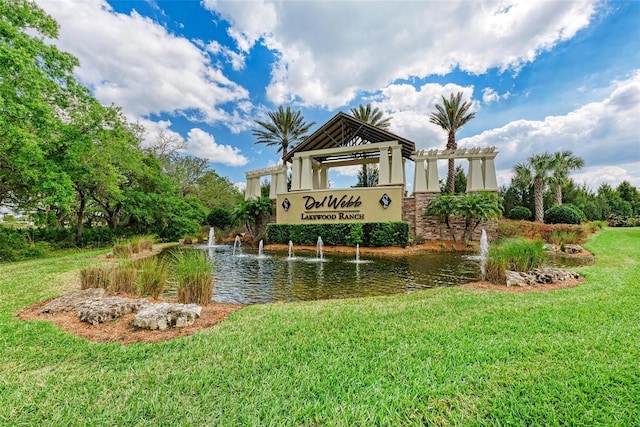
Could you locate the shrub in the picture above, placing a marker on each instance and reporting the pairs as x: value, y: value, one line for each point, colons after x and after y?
x: 193, y: 272
x: 122, y: 250
x: 520, y: 212
x: 563, y: 214
x: 219, y: 218
x: 98, y: 277
x: 152, y: 277
x: 366, y: 234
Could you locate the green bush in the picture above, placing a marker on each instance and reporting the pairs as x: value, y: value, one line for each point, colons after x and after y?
x: 520, y: 213
x: 350, y: 234
x: 219, y: 218
x: 564, y: 214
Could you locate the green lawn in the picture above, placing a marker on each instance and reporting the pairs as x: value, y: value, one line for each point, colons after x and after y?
x: 449, y: 356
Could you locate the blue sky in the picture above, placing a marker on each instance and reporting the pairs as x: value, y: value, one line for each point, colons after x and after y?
x: 542, y: 75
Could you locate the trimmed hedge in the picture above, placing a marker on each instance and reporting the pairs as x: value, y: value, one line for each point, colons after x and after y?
x: 520, y: 212
x: 350, y: 234
x: 564, y: 214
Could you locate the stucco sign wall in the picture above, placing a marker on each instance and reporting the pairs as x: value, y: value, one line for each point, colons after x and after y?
x: 375, y: 204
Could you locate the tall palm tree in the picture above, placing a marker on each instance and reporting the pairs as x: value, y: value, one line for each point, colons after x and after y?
x: 368, y: 176
x: 372, y: 116
x: 285, y: 129
x: 451, y: 116
x: 537, y: 170
x: 563, y: 163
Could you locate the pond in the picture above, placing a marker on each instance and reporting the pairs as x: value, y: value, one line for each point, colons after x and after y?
x: 248, y: 278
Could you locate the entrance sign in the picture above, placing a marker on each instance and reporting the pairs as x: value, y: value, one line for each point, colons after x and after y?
x: 371, y: 204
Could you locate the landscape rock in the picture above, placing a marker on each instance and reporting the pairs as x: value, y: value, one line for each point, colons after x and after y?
x: 550, y: 247
x: 72, y: 300
x: 541, y: 275
x: 164, y: 315
x: 572, y: 249
x: 109, y: 308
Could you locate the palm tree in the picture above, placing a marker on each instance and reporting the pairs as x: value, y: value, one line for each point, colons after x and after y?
x: 563, y: 163
x: 368, y: 176
x: 373, y: 116
x: 538, y: 171
x: 285, y: 129
x: 451, y: 116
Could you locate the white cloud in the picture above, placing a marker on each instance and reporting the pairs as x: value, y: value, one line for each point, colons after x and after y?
x: 411, y: 108
x: 603, y: 133
x: 202, y: 144
x: 489, y: 95
x: 136, y: 63
x: 326, y: 60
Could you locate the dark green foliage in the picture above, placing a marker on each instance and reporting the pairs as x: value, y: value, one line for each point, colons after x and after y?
x: 519, y: 213
x: 219, y: 218
x: 349, y: 234
x: 17, y: 244
x: 563, y: 214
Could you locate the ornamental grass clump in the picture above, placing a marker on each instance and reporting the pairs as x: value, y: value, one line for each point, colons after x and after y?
x: 192, y: 271
x: 123, y: 278
x: 97, y: 277
x: 515, y: 255
x: 153, y: 276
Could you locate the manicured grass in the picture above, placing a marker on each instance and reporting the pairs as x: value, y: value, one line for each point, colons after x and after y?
x: 453, y: 356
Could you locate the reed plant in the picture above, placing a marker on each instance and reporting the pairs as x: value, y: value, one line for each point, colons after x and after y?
x: 563, y: 237
x: 123, y: 278
x: 122, y: 250
x: 192, y: 271
x: 97, y: 277
x: 152, y: 278
x: 514, y: 255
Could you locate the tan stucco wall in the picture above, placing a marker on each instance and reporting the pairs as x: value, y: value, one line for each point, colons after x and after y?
x: 340, y: 206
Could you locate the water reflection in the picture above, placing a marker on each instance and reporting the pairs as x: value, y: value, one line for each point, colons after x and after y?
x: 250, y: 279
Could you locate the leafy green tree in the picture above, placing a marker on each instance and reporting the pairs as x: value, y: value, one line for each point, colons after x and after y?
x: 460, y: 182
x: 451, y: 116
x: 247, y: 212
x: 284, y: 129
x: 537, y: 170
x: 630, y: 194
x: 36, y: 87
x: 563, y: 163
x: 214, y: 191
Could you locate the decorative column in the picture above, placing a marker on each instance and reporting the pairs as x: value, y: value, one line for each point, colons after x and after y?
x: 397, y: 167
x: 256, y: 187
x: 419, y: 177
x: 474, y: 176
x: 281, y: 182
x: 306, y: 174
x: 295, y: 173
x: 383, y: 173
x: 433, y: 181
x: 324, y: 178
x: 273, y: 188
x: 489, y: 174
x: 248, y: 189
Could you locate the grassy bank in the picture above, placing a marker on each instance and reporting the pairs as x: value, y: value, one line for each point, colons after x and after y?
x: 453, y: 356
